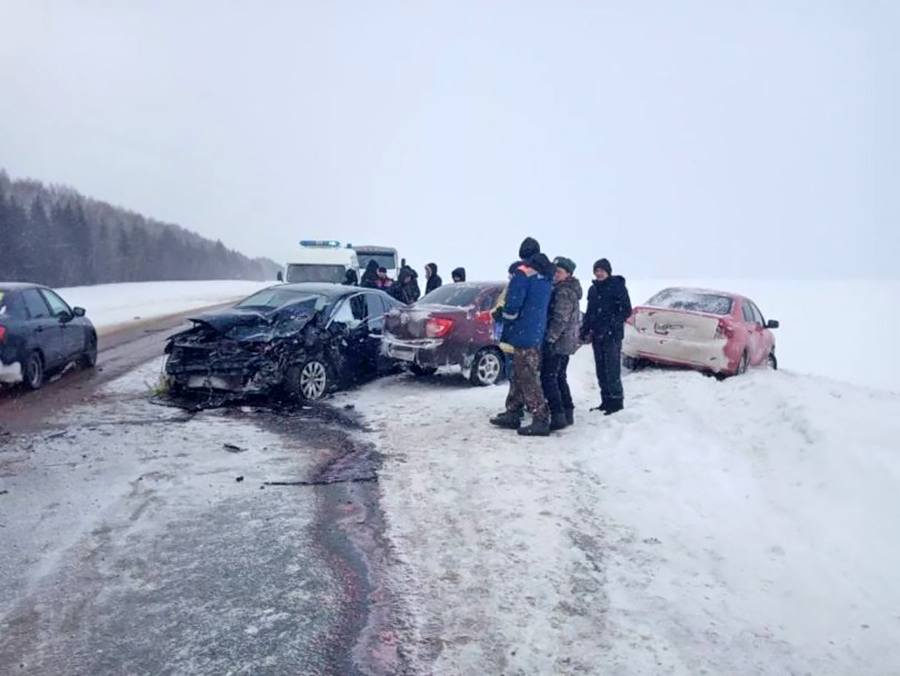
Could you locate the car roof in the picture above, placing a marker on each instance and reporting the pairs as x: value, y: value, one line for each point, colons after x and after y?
x: 20, y: 286
x: 693, y: 289
x: 483, y: 285
x: 329, y: 290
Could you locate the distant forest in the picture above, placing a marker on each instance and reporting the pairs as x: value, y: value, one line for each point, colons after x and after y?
x: 53, y: 235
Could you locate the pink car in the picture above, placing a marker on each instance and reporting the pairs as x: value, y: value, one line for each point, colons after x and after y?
x: 716, y: 332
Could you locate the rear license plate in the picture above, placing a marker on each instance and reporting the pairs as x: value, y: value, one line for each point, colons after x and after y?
x: 402, y: 353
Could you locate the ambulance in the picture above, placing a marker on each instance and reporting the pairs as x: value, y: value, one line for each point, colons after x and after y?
x: 321, y: 261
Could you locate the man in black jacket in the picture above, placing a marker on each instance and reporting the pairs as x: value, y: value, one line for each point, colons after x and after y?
x: 459, y: 275
x: 604, y: 327
x: 434, y: 279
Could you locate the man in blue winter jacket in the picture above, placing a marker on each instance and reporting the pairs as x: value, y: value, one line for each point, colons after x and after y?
x: 525, y: 319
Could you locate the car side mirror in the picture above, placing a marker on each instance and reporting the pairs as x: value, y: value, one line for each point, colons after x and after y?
x: 772, y: 324
x: 280, y: 276
x: 79, y: 311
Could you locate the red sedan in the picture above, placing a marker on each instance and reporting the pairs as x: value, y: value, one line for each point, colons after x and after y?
x: 716, y: 332
x: 451, y: 326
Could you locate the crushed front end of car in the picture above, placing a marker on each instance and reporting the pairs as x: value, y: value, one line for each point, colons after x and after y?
x: 243, y: 351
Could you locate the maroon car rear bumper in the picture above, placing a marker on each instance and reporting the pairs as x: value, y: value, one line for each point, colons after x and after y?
x: 427, y: 352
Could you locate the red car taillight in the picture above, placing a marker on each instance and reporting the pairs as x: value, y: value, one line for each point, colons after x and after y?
x: 438, y: 328
x: 2, y: 334
x: 724, y: 330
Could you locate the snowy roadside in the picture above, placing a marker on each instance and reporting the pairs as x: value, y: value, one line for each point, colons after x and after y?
x: 114, y: 306
x: 744, y: 527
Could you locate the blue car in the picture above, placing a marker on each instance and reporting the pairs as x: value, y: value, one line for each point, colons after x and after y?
x: 40, y: 333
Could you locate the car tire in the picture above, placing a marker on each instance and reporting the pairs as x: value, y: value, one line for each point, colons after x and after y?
x: 772, y: 361
x: 33, y: 373
x: 422, y: 370
x: 309, y: 381
x: 89, y: 356
x: 743, y: 364
x: 487, y: 368
x: 633, y: 363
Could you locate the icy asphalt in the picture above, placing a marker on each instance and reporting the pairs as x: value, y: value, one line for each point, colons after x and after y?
x: 142, y: 539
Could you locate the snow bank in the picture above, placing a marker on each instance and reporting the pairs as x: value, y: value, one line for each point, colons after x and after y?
x: 112, y: 305
x: 836, y: 328
x: 743, y: 527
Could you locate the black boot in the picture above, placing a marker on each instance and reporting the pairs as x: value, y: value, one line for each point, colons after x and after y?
x: 558, y: 421
x: 614, y: 406
x: 537, y: 428
x: 570, y: 416
x: 508, y: 420
x: 604, y: 404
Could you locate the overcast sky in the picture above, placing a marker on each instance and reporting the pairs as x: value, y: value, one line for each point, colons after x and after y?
x: 679, y: 139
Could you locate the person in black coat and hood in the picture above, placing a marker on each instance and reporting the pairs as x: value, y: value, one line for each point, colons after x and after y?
x: 370, y: 276
x: 604, y: 327
x: 434, y: 280
x: 459, y: 275
x: 406, y: 289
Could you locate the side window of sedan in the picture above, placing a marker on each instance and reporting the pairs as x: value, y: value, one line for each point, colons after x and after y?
x: 376, y: 311
x: 351, y: 312
x: 35, y: 305
x: 757, y: 315
x: 748, y: 313
x: 57, y: 305
x: 488, y: 300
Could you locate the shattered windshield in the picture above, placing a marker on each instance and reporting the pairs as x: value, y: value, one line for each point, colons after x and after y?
x: 692, y: 301
x: 454, y: 295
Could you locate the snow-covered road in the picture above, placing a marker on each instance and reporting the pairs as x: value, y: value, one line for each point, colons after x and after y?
x: 134, y: 541
x: 744, y: 527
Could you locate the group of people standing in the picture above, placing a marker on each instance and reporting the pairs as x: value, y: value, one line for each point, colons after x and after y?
x: 543, y: 327
x: 406, y: 287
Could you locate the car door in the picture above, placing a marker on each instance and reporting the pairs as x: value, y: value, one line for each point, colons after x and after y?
x: 44, y: 331
x: 73, y: 339
x: 754, y: 332
x: 377, y: 306
x: 351, y: 314
x: 483, y: 326
x: 766, y: 339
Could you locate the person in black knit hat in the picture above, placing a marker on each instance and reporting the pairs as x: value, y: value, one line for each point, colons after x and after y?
x: 609, y: 305
x: 525, y: 322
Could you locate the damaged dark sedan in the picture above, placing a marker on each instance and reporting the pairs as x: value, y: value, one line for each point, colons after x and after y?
x: 304, y: 340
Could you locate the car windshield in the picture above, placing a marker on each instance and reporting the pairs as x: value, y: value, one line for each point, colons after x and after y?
x: 388, y: 261
x: 309, y: 272
x: 276, y: 297
x: 692, y: 301
x: 454, y: 295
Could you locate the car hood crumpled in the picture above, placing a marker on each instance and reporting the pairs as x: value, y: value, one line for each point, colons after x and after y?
x: 252, y: 325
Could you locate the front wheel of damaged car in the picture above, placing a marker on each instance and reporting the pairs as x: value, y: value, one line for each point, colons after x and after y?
x: 308, y: 381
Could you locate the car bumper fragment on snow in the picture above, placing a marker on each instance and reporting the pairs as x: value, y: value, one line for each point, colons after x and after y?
x: 10, y: 374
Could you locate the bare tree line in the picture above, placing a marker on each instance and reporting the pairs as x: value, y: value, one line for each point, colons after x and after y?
x: 55, y: 236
